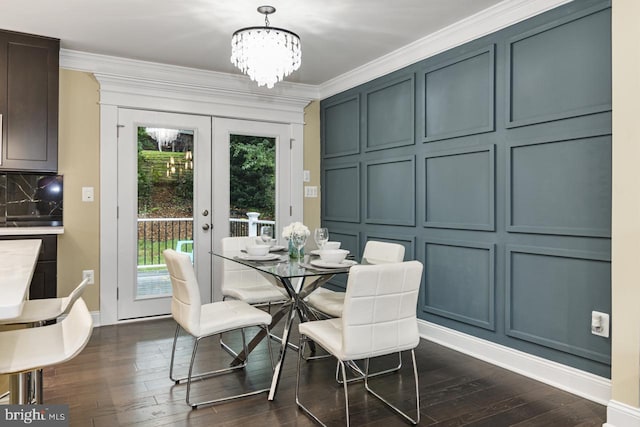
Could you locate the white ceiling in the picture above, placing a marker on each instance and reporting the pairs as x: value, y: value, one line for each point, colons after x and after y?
x: 337, y: 35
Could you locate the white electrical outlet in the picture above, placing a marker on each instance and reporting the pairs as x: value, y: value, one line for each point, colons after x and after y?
x: 600, y: 324
x: 89, y: 274
x: 310, y: 191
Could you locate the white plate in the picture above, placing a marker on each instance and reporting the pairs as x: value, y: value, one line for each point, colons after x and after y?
x: 317, y: 252
x: 268, y: 257
x: 344, y: 264
x: 276, y: 248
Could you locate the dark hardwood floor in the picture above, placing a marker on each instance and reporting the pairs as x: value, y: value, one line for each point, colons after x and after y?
x: 121, y: 379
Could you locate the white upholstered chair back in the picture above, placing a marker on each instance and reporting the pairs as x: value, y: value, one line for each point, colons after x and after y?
x: 236, y: 275
x: 379, y: 315
x: 382, y: 252
x: 185, y: 302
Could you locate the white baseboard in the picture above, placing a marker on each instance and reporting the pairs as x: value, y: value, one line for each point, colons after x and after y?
x: 621, y: 415
x: 95, y: 316
x: 564, y: 377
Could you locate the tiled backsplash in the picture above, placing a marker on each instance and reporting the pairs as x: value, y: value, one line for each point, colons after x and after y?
x: 30, y: 199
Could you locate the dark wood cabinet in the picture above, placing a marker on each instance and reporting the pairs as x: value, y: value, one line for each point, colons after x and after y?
x: 44, y: 283
x: 29, y: 102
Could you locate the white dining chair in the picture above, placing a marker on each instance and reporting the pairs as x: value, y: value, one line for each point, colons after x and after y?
x: 379, y: 318
x: 329, y: 303
x: 31, y: 349
x: 245, y: 283
x: 206, y: 320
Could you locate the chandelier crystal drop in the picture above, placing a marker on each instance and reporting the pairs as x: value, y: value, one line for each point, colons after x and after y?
x: 266, y: 54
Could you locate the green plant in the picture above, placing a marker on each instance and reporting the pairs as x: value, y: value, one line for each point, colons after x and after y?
x: 252, y: 174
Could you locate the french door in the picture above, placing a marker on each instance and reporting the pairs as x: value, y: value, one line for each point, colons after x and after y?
x: 164, y: 202
x: 225, y: 131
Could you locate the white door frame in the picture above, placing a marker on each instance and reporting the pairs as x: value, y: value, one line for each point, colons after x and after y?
x: 156, y: 94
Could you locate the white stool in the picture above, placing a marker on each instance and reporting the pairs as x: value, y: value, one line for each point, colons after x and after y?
x: 35, y: 313
x: 25, y: 350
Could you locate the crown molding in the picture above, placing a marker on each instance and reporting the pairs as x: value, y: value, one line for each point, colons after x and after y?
x: 190, y: 80
x: 488, y: 21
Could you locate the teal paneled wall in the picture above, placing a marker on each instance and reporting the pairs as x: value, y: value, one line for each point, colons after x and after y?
x: 491, y: 164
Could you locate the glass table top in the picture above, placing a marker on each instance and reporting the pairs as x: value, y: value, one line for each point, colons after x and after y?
x: 282, y: 266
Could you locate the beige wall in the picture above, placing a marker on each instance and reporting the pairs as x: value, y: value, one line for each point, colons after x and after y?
x: 79, y: 162
x: 312, y: 164
x: 625, y: 249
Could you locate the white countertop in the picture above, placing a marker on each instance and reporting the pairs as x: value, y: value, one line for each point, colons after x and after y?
x: 18, y: 260
x: 30, y: 231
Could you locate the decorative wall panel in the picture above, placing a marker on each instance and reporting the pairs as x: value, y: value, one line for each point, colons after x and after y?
x: 390, y: 191
x: 460, y: 281
x: 459, y: 96
x: 341, y: 193
x: 560, y: 187
x: 341, y: 127
x: 551, y: 76
x: 539, y: 175
x: 460, y: 188
x: 389, y: 114
x: 550, y: 296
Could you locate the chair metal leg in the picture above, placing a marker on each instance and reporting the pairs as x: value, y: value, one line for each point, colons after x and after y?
x: 198, y: 376
x: 38, y: 386
x: 303, y: 339
x: 273, y: 366
x: 415, y: 375
x: 190, y: 377
x: 20, y: 389
x: 173, y: 355
x: 356, y: 368
x: 342, y: 365
x: 346, y: 392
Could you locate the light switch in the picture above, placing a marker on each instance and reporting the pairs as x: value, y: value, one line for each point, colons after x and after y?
x: 306, y: 176
x: 87, y: 194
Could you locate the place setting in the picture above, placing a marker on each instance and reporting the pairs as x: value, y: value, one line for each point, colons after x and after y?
x: 330, y: 256
x: 263, y: 248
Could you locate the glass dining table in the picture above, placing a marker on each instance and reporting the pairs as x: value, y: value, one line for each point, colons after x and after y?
x: 298, y: 278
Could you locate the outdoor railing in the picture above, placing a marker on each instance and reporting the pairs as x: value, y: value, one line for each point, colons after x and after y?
x: 157, y: 234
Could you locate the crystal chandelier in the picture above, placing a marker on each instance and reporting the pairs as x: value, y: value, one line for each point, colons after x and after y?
x: 266, y: 54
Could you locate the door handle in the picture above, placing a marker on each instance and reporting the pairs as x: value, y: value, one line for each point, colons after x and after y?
x: 205, y: 227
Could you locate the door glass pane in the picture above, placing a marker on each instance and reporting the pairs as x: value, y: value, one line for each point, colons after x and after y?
x: 165, y: 204
x: 252, y: 183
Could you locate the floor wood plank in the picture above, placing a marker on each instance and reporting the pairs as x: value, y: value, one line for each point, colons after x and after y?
x: 121, y: 379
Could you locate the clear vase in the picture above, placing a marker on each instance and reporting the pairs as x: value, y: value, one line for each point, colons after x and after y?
x: 293, y: 251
